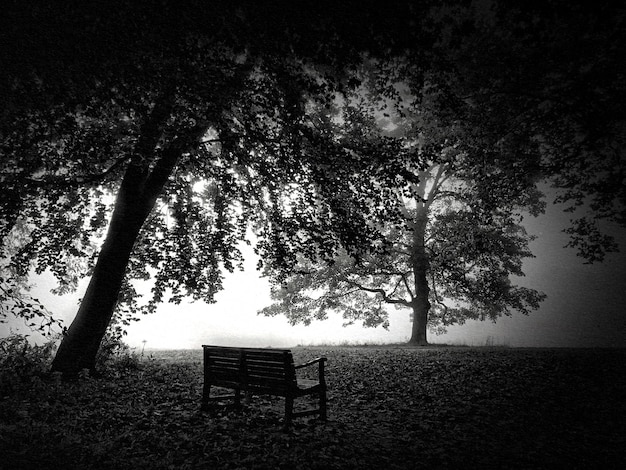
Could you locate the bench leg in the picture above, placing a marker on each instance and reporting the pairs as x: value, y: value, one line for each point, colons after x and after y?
x: 323, y: 415
x: 206, y: 392
x: 288, y: 410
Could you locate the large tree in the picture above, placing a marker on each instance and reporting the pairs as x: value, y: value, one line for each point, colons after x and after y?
x: 168, y: 130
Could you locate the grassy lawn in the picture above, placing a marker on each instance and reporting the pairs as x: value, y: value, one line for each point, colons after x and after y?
x: 389, y: 408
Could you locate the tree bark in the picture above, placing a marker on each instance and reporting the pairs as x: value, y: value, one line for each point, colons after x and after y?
x: 80, y: 344
x: 419, y: 260
x: 136, y: 198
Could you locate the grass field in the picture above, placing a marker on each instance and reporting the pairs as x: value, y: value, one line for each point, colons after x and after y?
x: 389, y: 408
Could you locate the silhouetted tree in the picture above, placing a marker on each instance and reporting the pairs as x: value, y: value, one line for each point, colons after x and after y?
x: 172, y: 128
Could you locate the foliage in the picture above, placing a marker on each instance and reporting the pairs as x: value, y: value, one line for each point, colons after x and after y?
x: 22, y: 364
x: 16, y: 300
x: 233, y: 90
x: 25, y: 366
x: 456, y: 237
x: 554, y: 90
x: 417, y: 408
x: 202, y: 133
x: 114, y: 353
x: 508, y: 96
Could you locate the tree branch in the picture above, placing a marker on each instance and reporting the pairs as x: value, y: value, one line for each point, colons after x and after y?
x: 437, y: 182
x: 168, y: 160
x: 342, y: 294
x: 408, y: 288
x: 396, y: 287
x: 381, y: 292
x: 436, y: 295
x: 388, y: 273
x: 63, y: 182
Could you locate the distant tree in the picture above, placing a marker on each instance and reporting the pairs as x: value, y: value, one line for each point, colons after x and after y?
x: 510, y: 95
x: 450, y: 252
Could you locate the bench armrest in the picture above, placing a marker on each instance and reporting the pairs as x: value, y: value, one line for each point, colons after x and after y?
x: 320, y: 371
x: 310, y: 363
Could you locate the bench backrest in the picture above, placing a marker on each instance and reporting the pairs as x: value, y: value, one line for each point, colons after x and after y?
x: 269, y: 371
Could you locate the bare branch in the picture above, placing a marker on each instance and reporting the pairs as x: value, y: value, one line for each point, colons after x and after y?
x: 340, y: 295
x: 381, y: 292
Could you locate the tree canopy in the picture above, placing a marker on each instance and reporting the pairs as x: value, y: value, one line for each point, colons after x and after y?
x: 543, y: 78
x: 173, y: 129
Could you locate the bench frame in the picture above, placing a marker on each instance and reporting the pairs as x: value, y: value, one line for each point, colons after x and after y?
x: 257, y: 371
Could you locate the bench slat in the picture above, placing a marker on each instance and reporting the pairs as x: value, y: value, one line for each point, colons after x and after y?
x: 224, y: 365
x: 267, y: 356
x: 267, y: 368
x: 220, y: 352
x: 226, y: 373
x: 269, y: 365
x: 275, y: 377
x: 276, y: 361
x: 265, y: 390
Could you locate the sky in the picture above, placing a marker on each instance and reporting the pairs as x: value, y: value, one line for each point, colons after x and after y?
x: 585, y: 307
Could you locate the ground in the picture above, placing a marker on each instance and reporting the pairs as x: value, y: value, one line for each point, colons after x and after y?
x: 389, y: 407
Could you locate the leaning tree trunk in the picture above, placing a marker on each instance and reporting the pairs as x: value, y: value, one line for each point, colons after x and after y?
x: 419, y: 260
x: 136, y: 198
x: 80, y: 344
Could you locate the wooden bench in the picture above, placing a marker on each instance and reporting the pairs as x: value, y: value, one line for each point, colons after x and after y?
x: 258, y: 371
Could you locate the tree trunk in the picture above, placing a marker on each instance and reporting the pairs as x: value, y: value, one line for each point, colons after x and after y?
x: 80, y: 345
x: 420, y: 320
x: 419, y: 260
x: 136, y: 198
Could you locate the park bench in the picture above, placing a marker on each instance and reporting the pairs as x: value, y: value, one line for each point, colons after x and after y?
x: 257, y: 371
